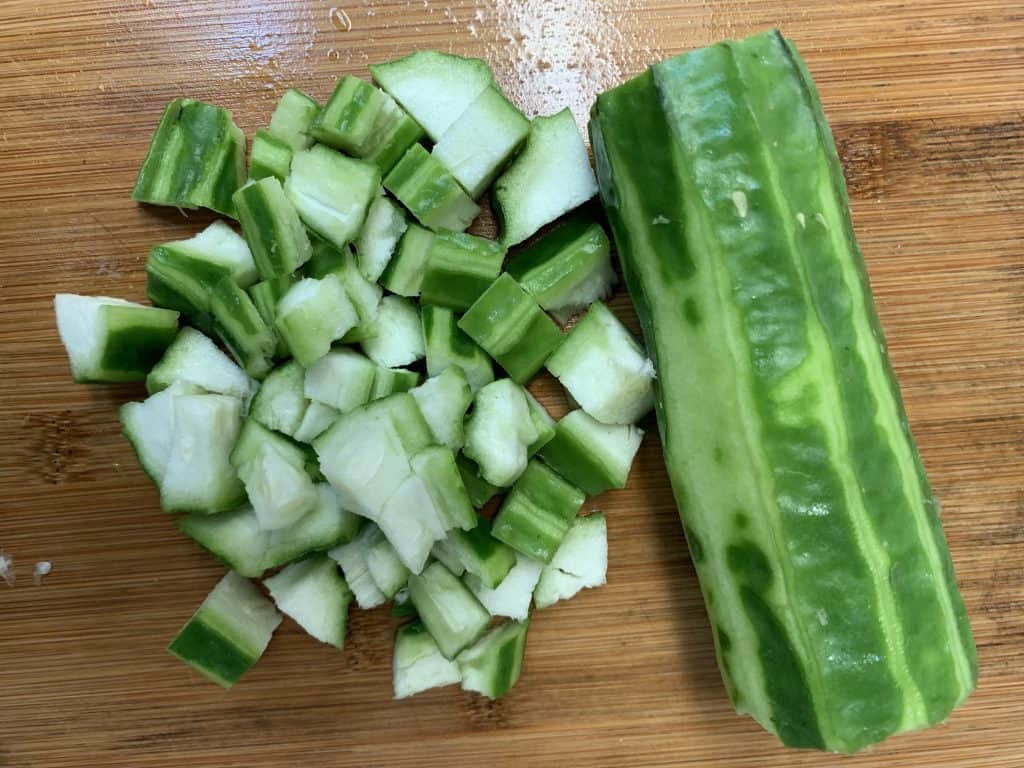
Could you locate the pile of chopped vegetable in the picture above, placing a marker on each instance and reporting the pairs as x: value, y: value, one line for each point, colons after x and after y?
x: 289, y: 421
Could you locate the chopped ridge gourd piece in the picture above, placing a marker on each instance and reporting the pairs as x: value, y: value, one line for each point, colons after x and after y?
x: 315, y: 421
x: 349, y: 118
x: 342, y: 378
x: 480, y: 554
x: 537, y: 512
x: 279, y: 489
x: 250, y: 442
x: 452, y: 616
x: 385, y: 224
x: 434, y: 88
x: 181, y: 274
x: 266, y: 295
x: 482, y: 140
x: 595, y: 457
x: 315, y: 595
x: 196, y: 159
x: 364, y: 294
x: 269, y: 156
x: 372, y: 568
x: 581, y: 562
x: 367, y: 123
x: 239, y: 325
x: 604, y: 368
x: 479, y: 490
x: 430, y: 192
x: 567, y: 269
x: 419, y: 664
x: 447, y: 345
x: 313, y: 315
x: 293, y: 118
x: 365, y: 454
x: 229, y: 632
x: 199, y: 478
x: 195, y: 359
x: 327, y: 525
x: 111, y: 340
x: 388, y: 381
x: 542, y: 422
x: 444, y: 552
x: 272, y: 228
x: 493, y: 664
x: 499, y: 432
x: 444, y: 400
x: 511, y: 327
x: 149, y: 427
x: 551, y: 176
x: 412, y: 522
x: 331, y: 192
x: 397, y: 133
x: 512, y: 596
x: 394, y: 336
x: 281, y: 403
x: 237, y: 538
x: 435, y: 466
x: 404, y: 272
x: 460, y: 268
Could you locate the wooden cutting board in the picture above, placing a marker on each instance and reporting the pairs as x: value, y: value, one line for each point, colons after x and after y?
x: 926, y: 100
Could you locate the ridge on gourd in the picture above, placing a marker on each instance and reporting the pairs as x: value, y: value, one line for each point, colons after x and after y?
x: 836, y: 613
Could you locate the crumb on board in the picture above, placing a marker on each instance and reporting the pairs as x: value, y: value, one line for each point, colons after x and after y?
x: 42, y: 568
x: 7, y: 568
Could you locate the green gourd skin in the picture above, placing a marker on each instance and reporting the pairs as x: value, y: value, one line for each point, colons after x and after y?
x: 137, y: 345
x: 809, y: 517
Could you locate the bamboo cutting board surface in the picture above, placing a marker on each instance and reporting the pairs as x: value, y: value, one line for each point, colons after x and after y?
x: 926, y: 100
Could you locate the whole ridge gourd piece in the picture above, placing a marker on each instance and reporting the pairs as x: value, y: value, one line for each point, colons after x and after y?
x: 809, y: 518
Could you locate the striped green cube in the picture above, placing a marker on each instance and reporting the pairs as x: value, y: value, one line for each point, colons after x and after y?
x: 460, y: 268
x: 511, y: 327
x: 537, y: 512
x: 272, y: 228
x: 269, y: 156
x: 109, y: 340
x: 430, y: 192
x: 229, y: 632
x: 242, y: 329
x: 331, y: 192
x: 196, y: 159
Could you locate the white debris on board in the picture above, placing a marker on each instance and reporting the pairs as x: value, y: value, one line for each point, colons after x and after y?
x: 7, y: 568
x: 42, y: 568
x: 549, y: 54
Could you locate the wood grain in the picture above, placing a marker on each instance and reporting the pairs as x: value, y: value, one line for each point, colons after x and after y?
x: 926, y: 100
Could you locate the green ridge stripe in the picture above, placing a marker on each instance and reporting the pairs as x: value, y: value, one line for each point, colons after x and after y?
x: 703, y: 95
x: 862, y: 455
x: 776, y: 633
x: 926, y: 647
x: 638, y: 186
